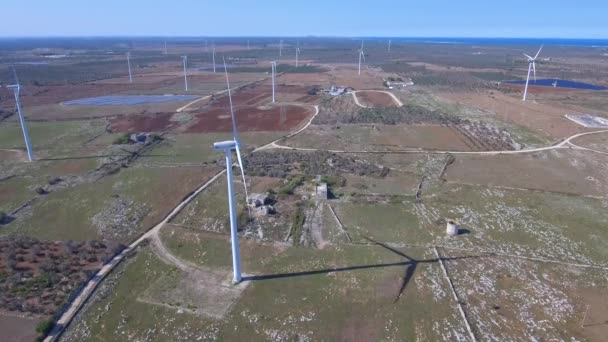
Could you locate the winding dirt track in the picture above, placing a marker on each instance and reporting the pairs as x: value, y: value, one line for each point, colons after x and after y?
x: 395, y: 99
x: 566, y: 143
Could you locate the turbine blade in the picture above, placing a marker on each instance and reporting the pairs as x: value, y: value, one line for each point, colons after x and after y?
x: 240, y: 161
x: 236, y: 138
x: 15, y: 74
x: 538, y: 53
x: 363, y: 55
x: 234, y: 132
x: 528, y: 56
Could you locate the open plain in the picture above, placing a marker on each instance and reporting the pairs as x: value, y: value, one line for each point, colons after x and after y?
x: 367, y: 259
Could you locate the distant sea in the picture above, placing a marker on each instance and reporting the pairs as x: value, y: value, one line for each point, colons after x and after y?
x: 600, y: 43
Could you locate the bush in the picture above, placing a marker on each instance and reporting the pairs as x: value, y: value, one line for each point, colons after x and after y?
x: 44, y: 327
x: 288, y: 188
x: 122, y: 140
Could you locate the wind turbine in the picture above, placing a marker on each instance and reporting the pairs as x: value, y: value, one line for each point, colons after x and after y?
x: 361, y: 56
x: 531, y: 67
x: 273, y: 65
x: 389, y: 46
x: 185, y: 59
x: 213, y: 58
x: 227, y: 147
x: 26, y: 136
x: 297, y: 54
x: 129, y: 65
x: 281, y: 48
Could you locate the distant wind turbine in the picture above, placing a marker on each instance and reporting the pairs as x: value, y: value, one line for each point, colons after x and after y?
x: 281, y: 48
x: 389, y: 45
x: 185, y: 59
x: 531, y: 67
x: 213, y: 58
x: 26, y: 136
x: 273, y: 66
x: 297, y: 54
x: 129, y: 65
x: 361, y: 56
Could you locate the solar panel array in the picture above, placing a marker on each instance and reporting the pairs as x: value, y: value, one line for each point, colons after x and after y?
x: 128, y: 100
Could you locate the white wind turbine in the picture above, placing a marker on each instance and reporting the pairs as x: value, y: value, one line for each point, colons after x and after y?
x: 227, y: 147
x: 361, y: 56
x: 281, y: 48
x: 129, y: 65
x: 273, y: 67
x: 531, y: 67
x: 26, y: 136
x: 389, y: 45
x: 297, y: 54
x: 185, y: 60
x: 213, y: 58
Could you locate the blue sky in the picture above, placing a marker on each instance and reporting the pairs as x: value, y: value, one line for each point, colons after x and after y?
x: 405, y: 18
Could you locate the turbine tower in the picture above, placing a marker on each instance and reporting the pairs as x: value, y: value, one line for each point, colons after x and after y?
x: 273, y: 65
x: 531, y: 67
x: 281, y: 48
x: 361, y: 56
x: 185, y: 59
x: 227, y: 147
x: 389, y: 46
x: 26, y: 136
x: 129, y: 65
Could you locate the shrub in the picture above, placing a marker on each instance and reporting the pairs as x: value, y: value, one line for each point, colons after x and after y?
x: 122, y: 140
x: 44, y: 327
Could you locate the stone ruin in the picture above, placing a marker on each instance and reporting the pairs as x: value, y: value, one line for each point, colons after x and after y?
x: 261, y: 204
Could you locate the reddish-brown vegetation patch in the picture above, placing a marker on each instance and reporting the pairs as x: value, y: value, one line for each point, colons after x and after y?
x: 142, y: 123
x: 250, y: 119
x: 375, y: 99
x: 38, y: 276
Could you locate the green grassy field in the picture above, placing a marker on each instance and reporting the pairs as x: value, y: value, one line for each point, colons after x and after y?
x: 350, y: 293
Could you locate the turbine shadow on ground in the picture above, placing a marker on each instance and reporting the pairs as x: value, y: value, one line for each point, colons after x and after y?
x: 411, y: 265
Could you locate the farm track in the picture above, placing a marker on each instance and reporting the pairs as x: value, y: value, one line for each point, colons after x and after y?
x: 564, y: 144
x: 395, y: 99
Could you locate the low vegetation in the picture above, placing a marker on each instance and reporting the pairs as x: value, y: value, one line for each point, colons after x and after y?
x: 283, y: 163
x: 38, y: 277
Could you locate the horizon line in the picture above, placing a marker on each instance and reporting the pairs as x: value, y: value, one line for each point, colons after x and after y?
x: 298, y: 36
